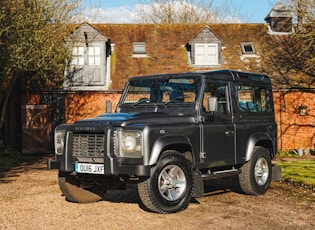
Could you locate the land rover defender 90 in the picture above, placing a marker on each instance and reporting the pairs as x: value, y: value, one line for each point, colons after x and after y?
x: 170, y: 132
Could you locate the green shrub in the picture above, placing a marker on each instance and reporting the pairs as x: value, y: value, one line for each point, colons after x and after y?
x: 286, y: 154
x: 8, y: 157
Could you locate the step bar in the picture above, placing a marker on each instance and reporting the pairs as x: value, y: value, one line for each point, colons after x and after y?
x: 220, y: 174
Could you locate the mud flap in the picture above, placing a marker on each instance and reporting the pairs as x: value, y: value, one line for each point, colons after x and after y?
x: 198, y: 189
x: 276, y: 173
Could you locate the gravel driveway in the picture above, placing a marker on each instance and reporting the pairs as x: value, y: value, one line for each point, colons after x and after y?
x: 30, y: 199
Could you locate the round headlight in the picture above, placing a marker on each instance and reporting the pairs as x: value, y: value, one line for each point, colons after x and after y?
x: 129, y: 143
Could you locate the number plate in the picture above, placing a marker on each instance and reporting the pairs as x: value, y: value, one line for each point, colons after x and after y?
x: 89, y: 168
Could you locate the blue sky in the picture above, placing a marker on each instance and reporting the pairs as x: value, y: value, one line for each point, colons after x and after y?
x: 120, y: 11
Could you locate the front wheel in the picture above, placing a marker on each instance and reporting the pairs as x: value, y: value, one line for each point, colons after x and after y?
x: 256, y: 173
x: 169, y: 187
x: 79, y: 190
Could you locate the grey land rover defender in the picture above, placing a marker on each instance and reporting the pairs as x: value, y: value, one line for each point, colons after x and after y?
x: 169, y: 133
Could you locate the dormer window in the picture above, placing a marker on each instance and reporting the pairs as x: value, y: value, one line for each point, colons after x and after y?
x: 279, y: 20
x: 139, y: 49
x: 206, y: 54
x: 248, y: 48
x: 204, y: 50
x: 88, y: 68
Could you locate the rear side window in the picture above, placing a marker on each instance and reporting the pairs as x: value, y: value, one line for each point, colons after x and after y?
x: 254, y: 99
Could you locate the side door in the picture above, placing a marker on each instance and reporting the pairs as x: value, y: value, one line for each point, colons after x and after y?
x: 218, y: 131
x: 253, y: 117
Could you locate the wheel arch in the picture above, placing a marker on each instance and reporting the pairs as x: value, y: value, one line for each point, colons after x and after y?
x: 259, y: 139
x: 171, y: 142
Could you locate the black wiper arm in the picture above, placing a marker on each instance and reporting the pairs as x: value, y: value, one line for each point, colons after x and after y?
x: 176, y: 99
x: 142, y: 100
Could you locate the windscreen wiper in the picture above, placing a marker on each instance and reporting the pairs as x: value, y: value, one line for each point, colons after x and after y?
x: 142, y: 100
x: 176, y: 99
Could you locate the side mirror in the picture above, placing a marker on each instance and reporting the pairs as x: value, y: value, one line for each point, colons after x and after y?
x: 108, y: 106
x: 213, y: 104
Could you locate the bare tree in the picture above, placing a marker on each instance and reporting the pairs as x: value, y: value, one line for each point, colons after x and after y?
x: 31, y: 43
x: 187, y: 11
x: 305, y: 34
x: 291, y: 58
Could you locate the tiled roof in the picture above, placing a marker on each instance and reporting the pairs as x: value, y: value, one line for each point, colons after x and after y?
x: 165, y: 45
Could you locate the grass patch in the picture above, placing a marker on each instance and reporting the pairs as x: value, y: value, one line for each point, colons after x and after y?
x: 299, y: 172
x: 8, y: 157
x: 287, y: 154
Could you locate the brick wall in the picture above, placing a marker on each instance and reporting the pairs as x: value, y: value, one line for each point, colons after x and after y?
x: 86, y: 104
x: 295, y: 131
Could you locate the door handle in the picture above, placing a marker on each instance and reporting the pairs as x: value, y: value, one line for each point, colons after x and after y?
x: 229, y: 132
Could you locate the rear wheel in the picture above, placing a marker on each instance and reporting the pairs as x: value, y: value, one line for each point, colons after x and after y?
x: 81, y: 191
x: 256, y: 173
x: 169, y: 187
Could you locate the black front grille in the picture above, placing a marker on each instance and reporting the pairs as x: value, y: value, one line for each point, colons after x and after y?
x: 88, y: 145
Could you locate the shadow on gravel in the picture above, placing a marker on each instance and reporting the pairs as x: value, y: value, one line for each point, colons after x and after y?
x: 224, y: 185
x: 30, y: 162
x: 130, y: 195
x: 211, y: 188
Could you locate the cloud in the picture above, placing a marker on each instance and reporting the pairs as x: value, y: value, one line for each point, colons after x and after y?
x: 111, y: 15
x: 125, y: 15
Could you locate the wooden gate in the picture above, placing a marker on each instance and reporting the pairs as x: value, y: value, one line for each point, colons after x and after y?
x: 36, y: 129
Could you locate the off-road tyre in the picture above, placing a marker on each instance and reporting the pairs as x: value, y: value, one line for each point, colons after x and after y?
x: 169, y: 187
x: 75, y: 191
x: 256, y: 174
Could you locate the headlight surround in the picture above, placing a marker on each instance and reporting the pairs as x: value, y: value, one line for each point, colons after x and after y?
x: 59, y: 141
x: 130, y: 144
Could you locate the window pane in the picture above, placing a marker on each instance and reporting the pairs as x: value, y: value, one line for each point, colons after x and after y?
x: 97, y: 60
x: 77, y: 56
x: 80, y: 51
x: 91, y: 51
x: 91, y: 60
x: 97, y: 51
x: 217, y: 90
x: 94, y: 55
x: 139, y: 48
x: 177, y: 90
x: 253, y: 99
x: 206, y: 54
x: 248, y: 48
x: 80, y: 60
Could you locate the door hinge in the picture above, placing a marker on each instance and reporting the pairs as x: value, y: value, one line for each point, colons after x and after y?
x: 203, y: 155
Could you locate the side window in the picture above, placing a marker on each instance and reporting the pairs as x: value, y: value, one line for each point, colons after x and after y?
x: 218, y: 90
x: 253, y: 99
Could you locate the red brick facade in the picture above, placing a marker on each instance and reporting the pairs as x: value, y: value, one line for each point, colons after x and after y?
x: 295, y: 131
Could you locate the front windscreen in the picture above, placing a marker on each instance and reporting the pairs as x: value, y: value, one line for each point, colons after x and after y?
x: 164, y: 91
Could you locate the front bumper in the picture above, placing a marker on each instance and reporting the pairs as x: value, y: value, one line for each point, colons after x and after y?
x: 110, y: 169
x: 53, y: 164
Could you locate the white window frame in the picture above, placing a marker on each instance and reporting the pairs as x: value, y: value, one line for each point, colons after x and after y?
x: 206, y: 54
x: 94, y: 55
x: 78, y: 58
x: 248, y: 44
x: 139, y: 48
x: 86, y: 56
